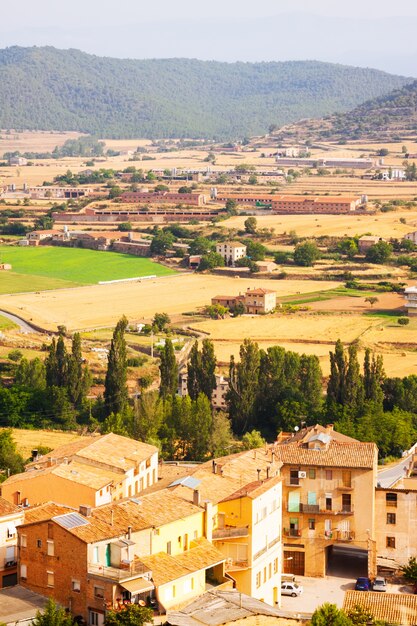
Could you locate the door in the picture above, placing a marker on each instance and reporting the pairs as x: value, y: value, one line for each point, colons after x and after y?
x: 346, y: 502
x: 294, y: 563
x: 294, y: 502
x: 108, y: 555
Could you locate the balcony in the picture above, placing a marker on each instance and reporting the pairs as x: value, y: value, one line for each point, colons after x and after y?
x: 8, y: 563
x: 231, y: 532
x: 292, y: 532
x: 344, y: 535
x: 233, y: 565
x: 136, y: 568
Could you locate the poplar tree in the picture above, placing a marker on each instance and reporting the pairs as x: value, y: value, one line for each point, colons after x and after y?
x: 193, y: 371
x: 169, y: 370
x: 244, y: 380
x: 79, y: 377
x: 115, y: 387
x: 208, y: 369
x: 51, y: 365
x: 61, y: 362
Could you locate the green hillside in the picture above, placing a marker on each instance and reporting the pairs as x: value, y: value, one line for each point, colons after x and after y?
x: 50, y: 89
x: 380, y: 119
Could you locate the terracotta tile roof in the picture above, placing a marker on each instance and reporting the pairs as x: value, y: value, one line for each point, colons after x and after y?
x: 255, y: 489
x: 117, y: 451
x: 166, y: 568
x: 45, y: 512
x: 258, y: 292
x: 17, y: 478
x: 337, y: 454
x: 65, y: 451
x: 6, y: 508
x: 305, y: 433
x: 394, y: 608
x: 233, y: 244
x: 87, y: 475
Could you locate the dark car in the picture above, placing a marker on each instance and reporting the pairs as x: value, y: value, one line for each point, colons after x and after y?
x: 363, y: 584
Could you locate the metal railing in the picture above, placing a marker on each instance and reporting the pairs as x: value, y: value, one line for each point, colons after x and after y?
x: 292, y: 532
x: 231, y: 532
x: 136, y: 568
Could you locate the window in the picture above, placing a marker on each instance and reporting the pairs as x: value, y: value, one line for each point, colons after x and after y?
x: 98, y: 591
x: 390, y: 542
x: 11, y: 531
x: 94, y: 618
x: 275, y: 566
x: 50, y: 547
x: 391, y: 499
x: 50, y: 579
x: 312, y: 524
x: 195, y: 534
x: 391, y: 518
x: 169, y: 547
x: 258, y: 579
x: 311, y: 473
x: 23, y: 541
x: 329, y: 474
x: 76, y: 586
x: 270, y: 570
x: 39, y: 543
x: 96, y: 557
x: 50, y: 531
x: 23, y: 571
x: 264, y: 574
x: 179, y: 540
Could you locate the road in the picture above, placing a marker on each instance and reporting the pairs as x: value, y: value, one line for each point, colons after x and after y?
x: 24, y: 326
x: 387, y: 477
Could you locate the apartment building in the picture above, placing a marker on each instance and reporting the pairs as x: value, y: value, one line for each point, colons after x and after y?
x: 218, y: 398
x: 93, y: 560
x: 396, y: 515
x: 231, y: 251
x: 329, y: 498
x: 163, y: 197
x: 10, y: 517
x: 410, y: 295
x: 92, y: 471
x: 245, y: 493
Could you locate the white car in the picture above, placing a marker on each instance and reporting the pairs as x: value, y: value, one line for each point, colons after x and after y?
x: 291, y: 589
x: 380, y: 584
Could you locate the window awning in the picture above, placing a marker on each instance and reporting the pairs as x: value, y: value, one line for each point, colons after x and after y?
x: 138, y: 585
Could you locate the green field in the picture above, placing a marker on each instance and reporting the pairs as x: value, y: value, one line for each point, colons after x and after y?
x: 6, y: 324
x: 36, y: 269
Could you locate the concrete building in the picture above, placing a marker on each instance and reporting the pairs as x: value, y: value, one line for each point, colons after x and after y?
x: 94, y: 472
x: 410, y: 295
x: 260, y: 300
x: 163, y: 197
x: 18, y: 160
x: 396, y: 515
x: 62, y: 193
x: 10, y: 517
x: 329, y: 498
x: 231, y: 251
x: 218, y: 399
x: 367, y: 241
x: 412, y: 237
x: 332, y: 205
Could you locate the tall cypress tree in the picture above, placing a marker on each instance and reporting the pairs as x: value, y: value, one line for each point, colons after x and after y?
x: 115, y: 390
x: 79, y: 378
x: 208, y: 369
x: 169, y: 370
x: 51, y: 365
x: 61, y: 362
x: 193, y: 371
x: 244, y: 381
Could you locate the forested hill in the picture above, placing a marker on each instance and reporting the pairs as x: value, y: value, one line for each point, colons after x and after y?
x: 50, y: 89
x: 383, y: 118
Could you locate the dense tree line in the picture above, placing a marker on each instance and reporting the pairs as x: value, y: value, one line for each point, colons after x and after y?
x: 173, y: 97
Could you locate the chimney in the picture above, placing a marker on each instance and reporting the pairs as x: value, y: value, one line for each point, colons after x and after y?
x: 214, y: 465
x: 85, y: 510
x: 259, y: 474
x: 208, y: 520
x: 111, y: 517
x: 34, y: 455
x: 267, y: 471
x: 129, y: 532
x: 196, y: 497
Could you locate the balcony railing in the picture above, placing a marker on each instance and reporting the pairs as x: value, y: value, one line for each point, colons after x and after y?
x: 9, y: 563
x: 344, y: 535
x: 136, y: 568
x: 292, y: 532
x: 233, y: 565
x: 230, y: 533
x: 314, y: 509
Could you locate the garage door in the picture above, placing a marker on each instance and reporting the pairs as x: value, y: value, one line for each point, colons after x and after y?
x: 9, y: 580
x: 294, y: 563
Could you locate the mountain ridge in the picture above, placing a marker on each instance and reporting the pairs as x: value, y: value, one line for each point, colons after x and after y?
x: 45, y: 88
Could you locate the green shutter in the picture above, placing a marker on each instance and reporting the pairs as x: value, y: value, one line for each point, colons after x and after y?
x: 311, y: 497
x: 294, y: 502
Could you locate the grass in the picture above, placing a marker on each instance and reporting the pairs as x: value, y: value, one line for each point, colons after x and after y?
x: 51, y: 268
x: 6, y: 324
x: 329, y: 294
x: 28, y: 440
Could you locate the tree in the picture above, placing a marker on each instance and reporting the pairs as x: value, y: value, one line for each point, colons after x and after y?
x: 221, y: 439
x: 208, y: 368
x: 147, y: 418
x: 379, y: 253
x: 255, y: 250
x: 210, y: 261
x: 31, y: 374
x: 162, y: 241
x: 43, y: 223
x: 131, y: 615
x: 11, y: 461
x: 216, y: 311
x: 372, y: 300
x: 306, y: 254
x: 329, y: 615
x: 53, y: 615
x: 115, y: 387
x: 253, y: 440
x: 78, y: 377
x: 169, y: 370
x: 410, y: 570
x: 200, y: 428
x: 193, y: 371
x: 160, y: 322
x: 201, y: 245
x: 231, y: 206
x: 244, y: 378
x: 403, y: 321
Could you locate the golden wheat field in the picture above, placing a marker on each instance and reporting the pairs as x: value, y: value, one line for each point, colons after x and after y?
x: 28, y: 440
x: 102, y: 305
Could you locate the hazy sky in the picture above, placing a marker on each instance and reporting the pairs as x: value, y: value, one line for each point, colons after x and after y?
x: 356, y: 32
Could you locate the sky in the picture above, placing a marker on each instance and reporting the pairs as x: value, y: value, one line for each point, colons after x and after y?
x: 373, y: 33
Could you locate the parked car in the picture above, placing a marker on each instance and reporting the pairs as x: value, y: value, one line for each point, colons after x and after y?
x: 363, y: 584
x: 291, y: 589
x: 379, y: 584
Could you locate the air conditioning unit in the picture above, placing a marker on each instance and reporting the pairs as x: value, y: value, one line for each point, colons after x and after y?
x: 302, y: 474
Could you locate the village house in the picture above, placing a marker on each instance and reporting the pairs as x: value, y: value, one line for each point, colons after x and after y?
x: 10, y: 517
x: 366, y: 242
x: 412, y: 237
x: 141, y: 551
x: 396, y: 515
x: 18, y: 160
x: 329, y: 498
x: 254, y: 301
x: 218, y: 399
x: 93, y: 472
x: 410, y: 295
x: 231, y: 251
x: 389, y: 608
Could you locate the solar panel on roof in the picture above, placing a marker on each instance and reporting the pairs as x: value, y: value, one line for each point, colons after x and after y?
x: 70, y: 520
x: 186, y: 481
